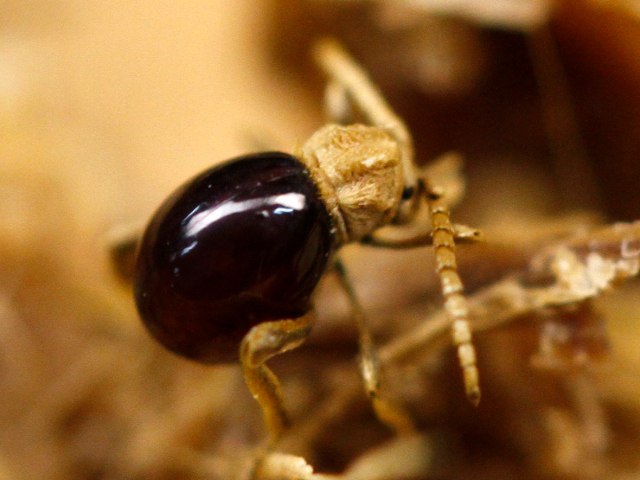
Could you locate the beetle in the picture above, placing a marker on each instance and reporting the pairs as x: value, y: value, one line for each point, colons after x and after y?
x: 228, y: 264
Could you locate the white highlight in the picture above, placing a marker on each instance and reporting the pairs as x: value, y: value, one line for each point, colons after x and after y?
x: 200, y: 221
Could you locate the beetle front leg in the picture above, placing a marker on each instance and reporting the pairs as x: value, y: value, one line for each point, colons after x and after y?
x: 400, y: 238
x: 350, y: 83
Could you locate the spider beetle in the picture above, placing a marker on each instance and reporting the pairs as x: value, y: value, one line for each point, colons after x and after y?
x: 227, y: 265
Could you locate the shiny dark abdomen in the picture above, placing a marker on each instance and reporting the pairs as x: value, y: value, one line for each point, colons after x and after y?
x: 243, y: 243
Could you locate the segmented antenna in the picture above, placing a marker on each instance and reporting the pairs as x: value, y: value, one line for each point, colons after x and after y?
x: 350, y: 81
x: 455, y: 302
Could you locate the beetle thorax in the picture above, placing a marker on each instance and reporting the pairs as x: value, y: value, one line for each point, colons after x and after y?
x: 358, y: 171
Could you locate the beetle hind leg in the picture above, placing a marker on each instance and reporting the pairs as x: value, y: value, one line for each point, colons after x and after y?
x: 261, y: 343
x: 122, y: 243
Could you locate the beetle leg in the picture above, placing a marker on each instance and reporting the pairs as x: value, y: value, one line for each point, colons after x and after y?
x: 261, y: 343
x: 396, y: 239
x: 388, y: 412
x: 122, y: 243
x: 350, y: 81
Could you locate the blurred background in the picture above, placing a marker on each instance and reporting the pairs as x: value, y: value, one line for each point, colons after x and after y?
x: 106, y: 107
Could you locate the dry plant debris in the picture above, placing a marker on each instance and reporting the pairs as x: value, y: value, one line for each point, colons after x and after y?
x: 553, y: 294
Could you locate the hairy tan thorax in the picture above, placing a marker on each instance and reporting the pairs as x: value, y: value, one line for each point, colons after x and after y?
x: 358, y: 170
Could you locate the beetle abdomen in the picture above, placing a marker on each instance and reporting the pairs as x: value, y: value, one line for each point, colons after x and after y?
x: 242, y: 243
